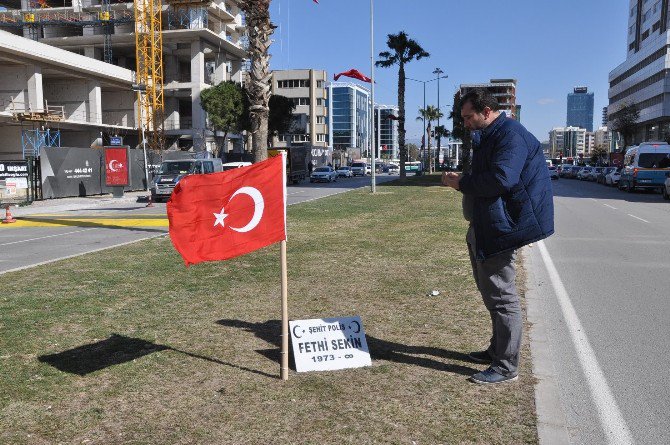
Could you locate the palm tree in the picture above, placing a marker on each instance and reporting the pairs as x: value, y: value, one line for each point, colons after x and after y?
x: 440, y: 132
x: 403, y: 50
x: 257, y: 13
x: 430, y: 113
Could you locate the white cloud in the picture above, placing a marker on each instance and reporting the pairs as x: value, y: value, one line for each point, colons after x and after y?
x: 546, y: 101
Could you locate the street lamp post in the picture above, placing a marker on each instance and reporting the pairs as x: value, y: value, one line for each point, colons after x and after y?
x: 373, y: 144
x: 438, y: 72
x: 424, y: 82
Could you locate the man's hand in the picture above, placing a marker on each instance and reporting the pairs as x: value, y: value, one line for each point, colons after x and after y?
x: 451, y: 179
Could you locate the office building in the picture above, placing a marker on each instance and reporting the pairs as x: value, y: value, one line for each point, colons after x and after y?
x: 568, y: 142
x: 603, y: 138
x: 643, y: 78
x: 580, y: 109
x: 307, y: 89
x: 504, y: 90
x: 386, y: 131
x: 349, y: 119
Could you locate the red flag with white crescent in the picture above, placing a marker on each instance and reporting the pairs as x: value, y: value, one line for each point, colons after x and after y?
x: 219, y: 216
x: 354, y: 74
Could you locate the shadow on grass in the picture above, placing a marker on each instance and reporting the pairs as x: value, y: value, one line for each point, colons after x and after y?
x: 270, y: 331
x: 116, y: 350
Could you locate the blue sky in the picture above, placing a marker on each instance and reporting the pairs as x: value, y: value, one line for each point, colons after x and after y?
x: 548, y: 46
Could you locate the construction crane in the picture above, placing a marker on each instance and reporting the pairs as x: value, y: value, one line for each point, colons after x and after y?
x: 149, y: 55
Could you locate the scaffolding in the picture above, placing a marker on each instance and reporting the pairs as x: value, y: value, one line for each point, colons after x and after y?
x: 32, y: 141
x: 149, y: 57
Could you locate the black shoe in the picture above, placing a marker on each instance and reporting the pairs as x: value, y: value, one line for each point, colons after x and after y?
x: 491, y: 377
x: 480, y: 357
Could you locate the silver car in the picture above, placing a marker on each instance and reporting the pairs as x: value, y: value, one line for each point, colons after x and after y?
x: 344, y: 172
x: 323, y: 174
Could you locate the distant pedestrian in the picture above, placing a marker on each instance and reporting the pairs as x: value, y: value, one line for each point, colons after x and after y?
x: 310, y: 167
x: 507, y: 198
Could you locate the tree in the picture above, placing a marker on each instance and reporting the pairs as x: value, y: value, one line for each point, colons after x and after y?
x: 413, y: 152
x: 459, y: 131
x: 259, y: 27
x: 430, y: 113
x: 598, y: 154
x: 403, y: 50
x: 625, y: 122
x: 440, y: 132
x: 227, y: 106
x: 280, y: 116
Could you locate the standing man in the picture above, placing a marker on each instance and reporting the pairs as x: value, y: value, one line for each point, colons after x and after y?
x: 508, y: 200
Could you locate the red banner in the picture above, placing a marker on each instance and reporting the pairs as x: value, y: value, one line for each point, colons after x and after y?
x: 116, y: 166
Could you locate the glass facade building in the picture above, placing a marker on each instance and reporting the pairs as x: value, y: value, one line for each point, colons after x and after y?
x: 349, y: 117
x: 580, y: 109
x: 386, y: 131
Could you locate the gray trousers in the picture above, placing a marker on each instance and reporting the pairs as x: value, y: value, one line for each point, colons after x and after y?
x: 495, y: 280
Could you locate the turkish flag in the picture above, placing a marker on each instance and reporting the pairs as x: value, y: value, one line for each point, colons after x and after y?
x: 353, y: 73
x: 219, y: 216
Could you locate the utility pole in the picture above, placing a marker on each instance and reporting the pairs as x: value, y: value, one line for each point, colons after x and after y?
x: 438, y: 72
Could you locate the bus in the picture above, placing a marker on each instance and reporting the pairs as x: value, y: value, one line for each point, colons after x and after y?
x: 413, y: 166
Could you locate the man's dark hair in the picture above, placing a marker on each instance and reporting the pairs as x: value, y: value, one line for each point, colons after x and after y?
x: 479, y: 99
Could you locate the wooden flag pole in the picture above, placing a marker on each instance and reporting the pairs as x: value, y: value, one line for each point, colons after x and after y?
x: 284, y: 313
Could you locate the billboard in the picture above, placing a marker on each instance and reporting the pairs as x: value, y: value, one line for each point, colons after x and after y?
x: 116, y: 166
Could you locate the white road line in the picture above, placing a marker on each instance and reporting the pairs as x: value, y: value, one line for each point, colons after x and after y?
x: 610, y: 416
x: 44, y: 237
x: 611, y: 207
x: 637, y: 217
x: 30, y: 266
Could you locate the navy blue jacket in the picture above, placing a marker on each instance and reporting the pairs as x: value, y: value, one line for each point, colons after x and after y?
x: 510, y: 187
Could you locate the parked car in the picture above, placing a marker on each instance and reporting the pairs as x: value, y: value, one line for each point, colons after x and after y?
x: 600, y: 179
x: 613, y: 177
x: 323, y: 174
x: 344, y: 172
x: 666, y: 187
x: 394, y: 169
x: 553, y: 172
x: 573, y: 171
x: 564, y: 170
x: 595, y: 171
x: 359, y: 168
x: 584, y: 173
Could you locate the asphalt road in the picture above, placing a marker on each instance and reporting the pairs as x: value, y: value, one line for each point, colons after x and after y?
x: 67, y: 228
x: 602, y: 283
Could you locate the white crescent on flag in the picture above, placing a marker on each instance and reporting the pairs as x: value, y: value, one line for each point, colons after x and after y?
x: 259, y: 206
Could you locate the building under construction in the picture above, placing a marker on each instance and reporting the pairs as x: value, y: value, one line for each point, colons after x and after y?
x: 75, y: 72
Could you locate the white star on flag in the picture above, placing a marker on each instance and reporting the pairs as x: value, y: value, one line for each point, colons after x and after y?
x: 219, y: 218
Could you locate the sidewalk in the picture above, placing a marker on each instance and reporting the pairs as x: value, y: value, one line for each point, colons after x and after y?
x: 76, y: 203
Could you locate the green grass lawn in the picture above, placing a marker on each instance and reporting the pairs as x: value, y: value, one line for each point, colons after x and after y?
x: 128, y: 346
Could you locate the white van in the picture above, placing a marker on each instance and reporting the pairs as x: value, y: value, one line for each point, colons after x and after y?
x: 645, y: 166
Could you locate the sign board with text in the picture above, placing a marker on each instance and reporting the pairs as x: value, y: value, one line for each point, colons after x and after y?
x: 116, y: 166
x: 327, y: 344
x: 13, y: 181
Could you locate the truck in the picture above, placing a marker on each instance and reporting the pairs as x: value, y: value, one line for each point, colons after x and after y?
x: 171, y: 172
x: 297, y: 159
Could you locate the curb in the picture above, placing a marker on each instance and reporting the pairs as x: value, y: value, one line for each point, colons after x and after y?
x: 551, y: 422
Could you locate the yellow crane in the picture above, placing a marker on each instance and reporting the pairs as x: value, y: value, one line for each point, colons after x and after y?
x: 149, y: 55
